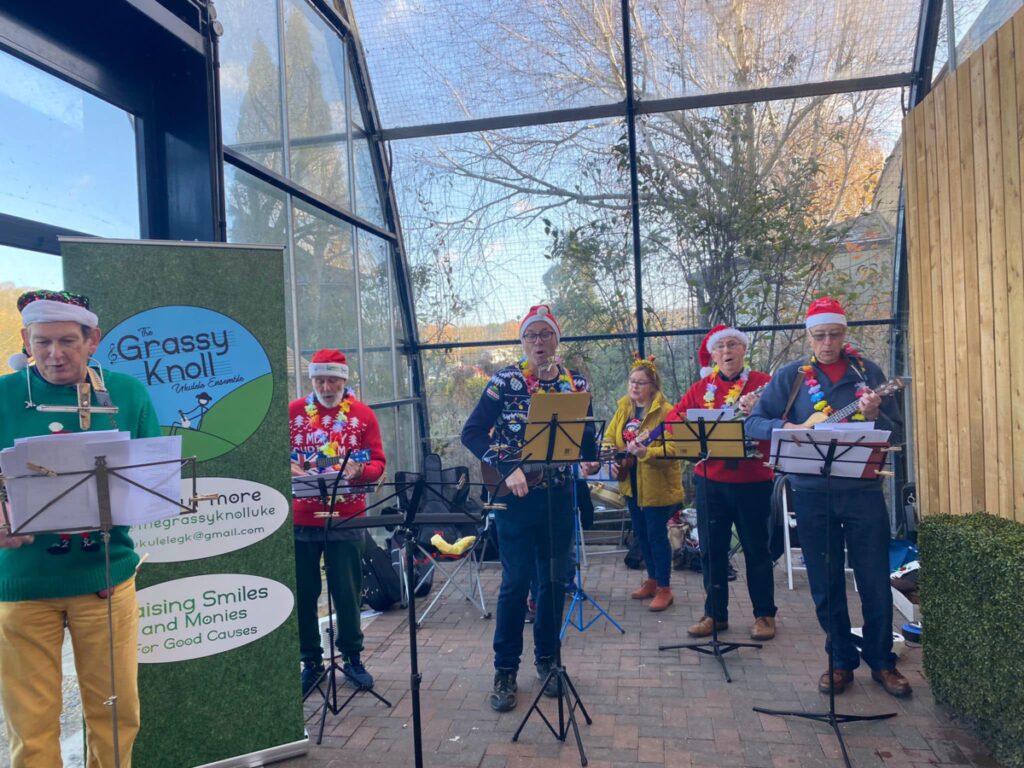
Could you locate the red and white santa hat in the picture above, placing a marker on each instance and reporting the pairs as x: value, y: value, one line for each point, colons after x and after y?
x: 329, y: 362
x: 714, y: 336
x: 825, y: 311
x: 540, y: 313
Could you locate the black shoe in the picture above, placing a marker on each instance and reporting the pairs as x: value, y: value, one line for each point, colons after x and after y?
x: 551, y: 686
x: 60, y: 548
x: 311, y: 672
x: 356, y: 674
x: 503, y: 696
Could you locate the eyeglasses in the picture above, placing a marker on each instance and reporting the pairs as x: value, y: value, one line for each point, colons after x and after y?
x: 731, y: 344
x: 535, y: 337
x: 830, y: 335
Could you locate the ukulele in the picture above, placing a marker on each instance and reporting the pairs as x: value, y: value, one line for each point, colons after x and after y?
x: 626, y: 461
x: 494, y: 480
x: 891, y: 387
x: 320, y: 461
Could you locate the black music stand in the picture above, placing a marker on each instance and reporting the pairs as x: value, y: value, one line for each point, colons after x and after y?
x: 326, y: 683
x: 101, y: 473
x: 701, y: 440
x: 552, y: 432
x: 410, y: 497
x: 821, y: 460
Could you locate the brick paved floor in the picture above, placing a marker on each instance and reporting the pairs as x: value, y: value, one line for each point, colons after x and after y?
x: 649, y: 708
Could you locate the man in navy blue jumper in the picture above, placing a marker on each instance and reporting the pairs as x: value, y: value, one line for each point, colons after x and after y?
x: 832, y: 378
x: 494, y: 433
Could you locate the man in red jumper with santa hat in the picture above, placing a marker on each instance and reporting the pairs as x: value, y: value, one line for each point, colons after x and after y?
x: 731, y: 491
x: 331, y: 422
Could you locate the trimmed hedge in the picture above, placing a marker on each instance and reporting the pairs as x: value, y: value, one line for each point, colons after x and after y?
x: 972, y: 603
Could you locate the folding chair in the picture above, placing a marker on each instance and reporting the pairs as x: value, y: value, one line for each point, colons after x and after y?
x: 443, y: 494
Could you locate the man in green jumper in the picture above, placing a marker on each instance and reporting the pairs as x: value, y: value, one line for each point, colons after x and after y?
x: 46, y: 583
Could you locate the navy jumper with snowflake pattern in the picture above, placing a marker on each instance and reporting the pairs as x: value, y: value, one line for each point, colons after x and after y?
x: 499, y: 418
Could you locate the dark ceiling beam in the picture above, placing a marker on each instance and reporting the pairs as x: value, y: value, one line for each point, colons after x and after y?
x: 170, y: 23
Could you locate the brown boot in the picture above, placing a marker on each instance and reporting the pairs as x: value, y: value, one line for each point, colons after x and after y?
x: 647, y: 589
x: 703, y: 627
x: 895, y: 684
x: 840, y: 679
x: 662, y: 599
x: 763, y: 629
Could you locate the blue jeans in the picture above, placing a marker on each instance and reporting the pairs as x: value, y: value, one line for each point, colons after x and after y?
x: 748, y: 507
x: 862, y: 522
x: 650, y: 525
x: 525, y: 545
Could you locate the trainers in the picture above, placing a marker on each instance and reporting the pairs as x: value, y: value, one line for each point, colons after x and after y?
x: 551, y: 686
x: 503, y: 696
x: 531, y: 611
x: 732, y: 573
x: 356, y: 674
x: 311, y: 672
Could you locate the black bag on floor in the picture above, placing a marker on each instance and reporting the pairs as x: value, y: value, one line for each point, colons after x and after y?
x: 381, y: 585
x: 634, y: 558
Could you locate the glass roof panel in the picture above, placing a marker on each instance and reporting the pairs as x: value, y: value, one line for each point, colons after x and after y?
x: 685, y: 48
x: 496, y: 222
x: 435, y: 61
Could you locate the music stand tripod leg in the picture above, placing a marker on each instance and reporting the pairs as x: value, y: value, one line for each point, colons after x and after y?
x: 713, y: 647
x: 568, y: 698
x: 831, y: 717
x: 327, y: 677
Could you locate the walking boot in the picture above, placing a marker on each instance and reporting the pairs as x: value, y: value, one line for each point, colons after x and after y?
x: 662, y: 599
x: 647, y: 589
x: 503, y: 696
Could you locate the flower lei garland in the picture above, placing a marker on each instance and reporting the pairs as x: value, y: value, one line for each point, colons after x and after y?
x: 814, y: 387
x: 731, y: 396
x: 564, y: 380
x: 337, y: 426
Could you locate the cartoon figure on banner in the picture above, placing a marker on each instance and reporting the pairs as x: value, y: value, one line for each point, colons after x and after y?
x: 204, y: 399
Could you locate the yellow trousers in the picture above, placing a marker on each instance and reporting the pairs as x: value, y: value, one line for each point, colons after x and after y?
x: 31, y: 635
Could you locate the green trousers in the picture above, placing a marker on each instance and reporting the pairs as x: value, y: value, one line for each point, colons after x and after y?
x: 343, y: 561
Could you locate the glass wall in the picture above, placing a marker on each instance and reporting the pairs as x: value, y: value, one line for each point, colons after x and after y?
x: 300, y: 173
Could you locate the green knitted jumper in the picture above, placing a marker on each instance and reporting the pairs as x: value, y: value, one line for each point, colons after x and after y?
x: 30, y: 572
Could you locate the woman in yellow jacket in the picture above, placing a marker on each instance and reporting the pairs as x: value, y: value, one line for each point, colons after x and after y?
x: 653, y: 487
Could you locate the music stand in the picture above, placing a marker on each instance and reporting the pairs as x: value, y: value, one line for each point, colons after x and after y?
x: 799, y: 453
x: 104, y: 522
x: 703, y: 439
x: 316, y: 485
x: 550, y: 439
x: 579, y: 594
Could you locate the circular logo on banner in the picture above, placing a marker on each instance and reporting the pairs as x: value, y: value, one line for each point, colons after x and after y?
x: 243, y: 513
x: 208, y: 377
x: 202, y: 615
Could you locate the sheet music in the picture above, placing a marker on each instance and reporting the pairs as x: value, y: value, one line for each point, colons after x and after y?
x: 710, y: 414
x: 308, y: 486
x: 76, y: 452
x: 802, y: 451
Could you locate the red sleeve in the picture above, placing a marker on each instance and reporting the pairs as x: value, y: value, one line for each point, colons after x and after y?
x: 374, y: 468
x: 692, y: 399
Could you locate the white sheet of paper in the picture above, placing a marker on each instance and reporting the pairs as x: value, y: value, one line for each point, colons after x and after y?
x: 847, y: 426
x: 132, y: 505
x: 710, y: 414
x: 800, y: 451
x: 31, y: 510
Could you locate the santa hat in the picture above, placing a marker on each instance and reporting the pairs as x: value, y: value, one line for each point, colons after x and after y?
x: 51, y: 307
x: 542, y: 314
x: 329, y: 362
x: 714, y: 336
x: 825, y: 311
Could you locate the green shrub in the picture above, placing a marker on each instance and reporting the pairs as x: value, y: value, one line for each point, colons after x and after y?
x: 972, y: 604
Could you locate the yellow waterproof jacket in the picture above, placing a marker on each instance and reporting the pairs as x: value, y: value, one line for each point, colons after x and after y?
x: 659, y: 482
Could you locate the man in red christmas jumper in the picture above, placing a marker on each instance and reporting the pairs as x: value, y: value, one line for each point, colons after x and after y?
x: 331, y: 422
x: 731, y: 491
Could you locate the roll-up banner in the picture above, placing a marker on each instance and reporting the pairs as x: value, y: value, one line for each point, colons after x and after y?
x: 202, y: 325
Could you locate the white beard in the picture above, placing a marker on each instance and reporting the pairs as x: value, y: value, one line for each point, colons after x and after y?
x: 337, y: 400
